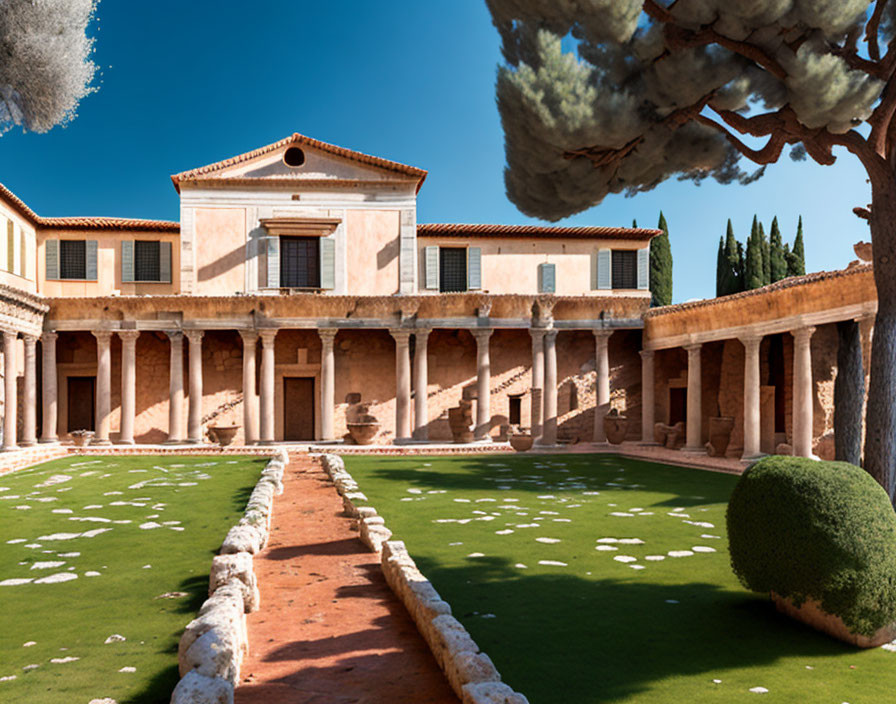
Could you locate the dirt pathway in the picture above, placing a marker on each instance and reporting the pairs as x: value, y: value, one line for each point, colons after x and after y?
x: 329, y: 631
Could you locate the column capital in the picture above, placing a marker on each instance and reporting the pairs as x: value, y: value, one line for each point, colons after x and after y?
x: 250, y: 337
x: 104, y: 336
x: 30, y: 340
x: 128, y: 335
x: 402, y: 337
x: 327, y: 335
x: 602, y: 334
x: 481, y: 334
x: 802, y: 335
x: 537, y: 334
x: 176, y: 336
x: 49, y: 336
x: 421, y: 335
x: 752, y: 341
x: 694, y: 348
x: 551, y: 334
x: 194, y: 336
x: 267, y: 336
x: 647, y: 354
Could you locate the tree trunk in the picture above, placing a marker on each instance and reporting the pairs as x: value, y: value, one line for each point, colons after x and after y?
x: 880, y: 421
x: 849, y: 394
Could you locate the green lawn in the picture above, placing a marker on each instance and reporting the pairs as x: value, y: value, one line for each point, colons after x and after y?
x: 590, y: 628
x: 152, y: 525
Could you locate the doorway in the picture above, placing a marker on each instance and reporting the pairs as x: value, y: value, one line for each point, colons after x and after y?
x: 298, y: 408
x: 678, y: 405
x: 81, y: 398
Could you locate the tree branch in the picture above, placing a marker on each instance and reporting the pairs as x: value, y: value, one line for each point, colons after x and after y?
x: 769, y: 154
x: 872, y: 30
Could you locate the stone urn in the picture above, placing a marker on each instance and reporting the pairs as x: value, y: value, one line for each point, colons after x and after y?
x: 222, y: 434
x: 364, y: 430
x: 82, y: 438
x: 460, y: 420
x: 521, y: 442
x: 719, y: 435
x: 615, y: 426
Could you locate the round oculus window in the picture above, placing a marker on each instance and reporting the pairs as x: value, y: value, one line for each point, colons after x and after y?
x: 294, y: 157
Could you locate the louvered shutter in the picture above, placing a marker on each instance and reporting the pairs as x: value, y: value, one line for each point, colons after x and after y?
x: 474, y: 268
x: 165, y: 262
x: 431, y: 274
x: 127, y: 261
x: 23, y: 254
x: 547, y: 278
x: 10, y: 247
x: 643, y: 269
x: 327, y: 263
x: 273, y: 262
x: 604, y: 279
x: 91, y: 261
x: 52, y: 259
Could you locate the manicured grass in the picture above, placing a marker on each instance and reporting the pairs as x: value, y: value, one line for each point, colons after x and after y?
x: 594, y: 629
x: 173, y: 514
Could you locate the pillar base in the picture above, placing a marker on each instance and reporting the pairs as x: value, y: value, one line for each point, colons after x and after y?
x: 28, y: 443
x: 49, y: 441
x: 126, y: 442
x: 752, y: 458
x: 694, y: 450
x: 174, y: 442
x: 101, y: 443
x: 9, y: 448
x: 192, y: 441
x: 651, y: 443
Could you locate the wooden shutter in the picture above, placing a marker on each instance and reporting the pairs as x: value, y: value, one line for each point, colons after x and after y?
x: 91, y: 261
x: 23, y: 254
x: 431, y: 274
x: 10, y: 247
x: 644, y: 269
x: 474, y: 268
x: 52, y: 259
x: 604, y: 278
x: 165, y: 262
x: 273, y: 262
x: 327, y: 263
x: 547, y: 278
x: 127, y: 261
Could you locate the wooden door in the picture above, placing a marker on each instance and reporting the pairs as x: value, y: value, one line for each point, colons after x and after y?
x: 298, y: 408
x: 81, y: 396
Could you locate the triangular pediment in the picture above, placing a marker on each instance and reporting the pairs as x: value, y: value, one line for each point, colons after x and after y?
x: 298, y: 159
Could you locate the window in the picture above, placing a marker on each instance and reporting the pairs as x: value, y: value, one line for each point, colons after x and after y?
x: 300, y: 262
x: 625, y: 268
x: 72, y: 259
x: 452, y: 269
x: 147, y: 261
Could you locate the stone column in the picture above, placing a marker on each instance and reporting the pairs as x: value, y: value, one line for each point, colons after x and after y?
x: 328, y: 383
x: 537, y: 382
x: 50, y: 386
x: 176, y: 388
x: 803, y: 397
x: 29, y: 406
x: 402, y: 384
x: 266, y: 420
x: 549, y: 418
x: 10, y: 396
x: 752, y: 407
x: 695, y: 401
x: 602, y: 384
x: 103, y: 386
x: 421, y: 385
x: 648, y: 404
x: 483, y: 384
x: 194, y: 410
x: 250, y: 340
x: 128, y: 384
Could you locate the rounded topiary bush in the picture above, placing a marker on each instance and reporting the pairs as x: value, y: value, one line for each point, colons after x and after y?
x: 821, y: 531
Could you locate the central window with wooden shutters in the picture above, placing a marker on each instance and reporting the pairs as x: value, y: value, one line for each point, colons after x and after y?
x: 450, y: 269
x: 71, y: 260
x: 301, y: 252
x: 300, y: 262
x: 145, y: 261
x: 621, y: 269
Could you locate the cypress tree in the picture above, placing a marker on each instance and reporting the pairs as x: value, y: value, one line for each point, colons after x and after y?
x: 776, y: 250
x: 766, y: 257
x: 797, y: 262
x: 661, y: 266
x: 721, y: 263
x: 635, y: 223
x: 730, y: 275
x: 741, y: 268
x: 753, y: 261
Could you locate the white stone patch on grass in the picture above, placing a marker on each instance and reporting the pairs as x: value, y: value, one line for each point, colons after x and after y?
x: 461, y: 501
x: 527, y: 525
x: 590, y: 493
x: 114, y: 638
x: 680, y: 553
x: 520, y: 566
x: 702, y: 548
x: 481, y: 501
x: 672, y: 601
x: 552, y: 563
x: 625, y: 558
x: 549, y: 541
x: 452, y: 544
x: 69, y: 554
x: 700, y: 524
x: 486, y: 518
x: 92, y: 506
x: 622, y: 514
x: 631, y: 541
x: 655, y: 558
x: 30, y: 667
x: 47, y: 499
x: 437, y: 491
x: 636, y: 567
x: 509, y: 501
x: 415, y: 491
x: 53, y: 480
x: 608, y: 540
x: 445, y: 520
x: 562, y: 520
x: 15, y: 582
x: 646, y: 513
x: 16, y: 540
x: 547, y: 496
x: 146, y: 567
x: 7, y: 678
x: 48, y: 565
x: 33, y: 546
x: 92, y: 573
x: 636, y: 510
x: 90, y: 519
x: 112, y: 493
x: 123, y: 521
x: 758, y: 690
x: 679, y: 515
x: 480, y: 513
x: 95, y: 532
x: 507, y: 531
x: 56, y: 578
x: 149, y: 525
x: 606, y: 548
x: 464, y: 521
x: 170, y: 523
x: 154, y: 515
x: 62, y: 510
x: 23, y: 507
x: 61, y: 661
x: 60, y: 536
x: 29, y: 643
x: 476, y: 554
x: 128, y: 669
x: 549, y: 513
x: 708, y: 536
x: 11, y: 497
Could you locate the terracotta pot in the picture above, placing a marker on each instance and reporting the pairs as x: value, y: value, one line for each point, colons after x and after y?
x: 460, y: 421
x: 811, y: 613
x: 615, y: 428
x: 223, y: 434
x: 363, y: 433
x: 719, y: 435
x: 521, y: 442
x: 82, y: 440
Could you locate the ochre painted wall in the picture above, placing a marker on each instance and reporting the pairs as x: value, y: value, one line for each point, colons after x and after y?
x: 220, y: 251
x: 372, y: 243
x: 21, y: 271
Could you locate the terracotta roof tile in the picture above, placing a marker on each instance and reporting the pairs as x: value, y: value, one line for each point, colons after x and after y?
x: 777, y: 286
x: 296, y: 138
x: 85, y: 223
x: 472, y: 230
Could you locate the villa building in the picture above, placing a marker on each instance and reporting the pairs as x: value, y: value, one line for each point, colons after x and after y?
x: 298, y: 282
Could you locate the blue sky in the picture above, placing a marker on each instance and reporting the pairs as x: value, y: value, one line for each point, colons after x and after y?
x: 183, y: 84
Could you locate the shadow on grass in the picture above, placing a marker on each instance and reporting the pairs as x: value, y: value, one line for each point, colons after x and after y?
x: 559, y: 638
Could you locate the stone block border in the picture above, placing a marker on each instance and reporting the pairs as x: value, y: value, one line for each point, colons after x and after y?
x: 214, y: 644
x: 469, y: 671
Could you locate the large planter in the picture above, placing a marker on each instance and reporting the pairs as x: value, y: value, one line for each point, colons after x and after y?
x: 521, y: 442
x: 460, y: 420
x: 82, y: 438
x: 719, y: 435
x: 811, y: 613
x: 363, y: 433
x: 223, y: 434
x: 615, y: 428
